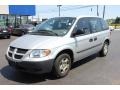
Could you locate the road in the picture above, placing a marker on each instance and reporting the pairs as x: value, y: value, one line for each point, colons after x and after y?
x: 93, y: 70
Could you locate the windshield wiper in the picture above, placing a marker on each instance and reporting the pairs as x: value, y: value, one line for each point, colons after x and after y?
x: 47, y: 31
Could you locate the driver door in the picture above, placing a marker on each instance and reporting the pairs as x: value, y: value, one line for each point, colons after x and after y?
x: 83, y: 39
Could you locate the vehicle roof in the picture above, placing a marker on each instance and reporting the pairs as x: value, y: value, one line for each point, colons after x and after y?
x: 81, y: 16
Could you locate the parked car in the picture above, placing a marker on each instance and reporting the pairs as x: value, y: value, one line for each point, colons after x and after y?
x: 57, y: 43
x: 4, y: 32
x: 23, y: 29
x: 10, y: 28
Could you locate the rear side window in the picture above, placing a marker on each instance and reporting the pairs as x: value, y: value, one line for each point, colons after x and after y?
x: 104, y: 24
x: 95, y: 25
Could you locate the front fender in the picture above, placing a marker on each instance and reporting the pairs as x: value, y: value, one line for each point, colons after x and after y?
x: 57, y: 50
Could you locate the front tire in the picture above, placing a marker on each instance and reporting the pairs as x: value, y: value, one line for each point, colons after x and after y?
x: 104, y: 50
x: 62, y: 65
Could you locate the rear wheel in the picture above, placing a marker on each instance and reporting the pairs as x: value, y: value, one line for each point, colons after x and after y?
x: 62, y: 65
x: 104, y: 50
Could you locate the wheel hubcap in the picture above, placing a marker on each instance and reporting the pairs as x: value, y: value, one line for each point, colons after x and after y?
x: 105, y: 49
x: 64, y: 65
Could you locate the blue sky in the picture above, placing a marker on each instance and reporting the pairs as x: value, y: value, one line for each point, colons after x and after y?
x: 48, y: 11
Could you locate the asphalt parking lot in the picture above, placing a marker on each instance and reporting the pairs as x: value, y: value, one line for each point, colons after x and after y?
x: 90, y: 71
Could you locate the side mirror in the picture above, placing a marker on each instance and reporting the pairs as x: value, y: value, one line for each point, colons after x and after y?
x: 79, y: 32
x: 111, y: 30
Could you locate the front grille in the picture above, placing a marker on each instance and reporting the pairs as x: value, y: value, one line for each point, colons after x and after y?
x: 10, y: 54
x: 12, y: 48
x: 23, y: 51
x: 16, y: 53
x: 18, y: 56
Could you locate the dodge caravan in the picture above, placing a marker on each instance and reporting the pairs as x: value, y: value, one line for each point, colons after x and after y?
x: 57, y: 43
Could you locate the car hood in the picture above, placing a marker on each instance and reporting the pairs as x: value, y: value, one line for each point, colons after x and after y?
x: 35, y: 42
x: 19, y: 28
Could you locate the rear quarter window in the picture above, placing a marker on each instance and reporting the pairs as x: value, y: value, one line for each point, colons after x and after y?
x: 95, y: 25
x: 104, y: 24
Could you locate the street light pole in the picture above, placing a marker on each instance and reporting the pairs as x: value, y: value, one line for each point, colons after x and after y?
x: 59, y: 9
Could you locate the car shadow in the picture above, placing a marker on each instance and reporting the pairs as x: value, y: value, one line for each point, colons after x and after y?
x: 1, y: 38
x: 16, y: 35
x: 25, y: 78
x: 21, y: 77
x: 85, y: 60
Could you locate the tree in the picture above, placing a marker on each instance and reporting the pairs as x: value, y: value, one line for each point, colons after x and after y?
x: 117, y: 20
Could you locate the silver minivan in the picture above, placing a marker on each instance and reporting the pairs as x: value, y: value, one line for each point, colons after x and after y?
x: 57, y: 43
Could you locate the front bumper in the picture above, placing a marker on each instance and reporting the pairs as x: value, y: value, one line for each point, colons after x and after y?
x: 4, y: 34
x: 31, y: 66
x: 19, y: 31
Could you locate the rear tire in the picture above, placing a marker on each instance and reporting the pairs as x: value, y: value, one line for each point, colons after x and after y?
x: 62, y: 65
x: 104, y: 50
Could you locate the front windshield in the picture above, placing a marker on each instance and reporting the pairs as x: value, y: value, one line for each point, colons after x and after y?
x: 54, y: 26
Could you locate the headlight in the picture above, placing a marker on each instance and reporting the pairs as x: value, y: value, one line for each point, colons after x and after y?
x: 39, y: 53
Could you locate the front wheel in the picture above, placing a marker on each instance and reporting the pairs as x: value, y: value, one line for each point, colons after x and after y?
x: 62, y: 65
x: 104, y: 50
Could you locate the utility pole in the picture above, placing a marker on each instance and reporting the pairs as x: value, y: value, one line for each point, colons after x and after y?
x: 20, y: 19
x: 59, y: 9
x: 104, y: 12
x: 15, y: 24
x: 7, y: 20
x: 32, y: 18
x: 97, y: 11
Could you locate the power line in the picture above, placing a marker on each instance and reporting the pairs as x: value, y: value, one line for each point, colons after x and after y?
x: 69, y: 9
x: 79, y: 7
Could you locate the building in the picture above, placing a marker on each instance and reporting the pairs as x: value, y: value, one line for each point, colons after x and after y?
x: 16, y: 14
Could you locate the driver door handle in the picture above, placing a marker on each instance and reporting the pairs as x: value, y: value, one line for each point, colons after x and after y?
x: 90, y: 40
